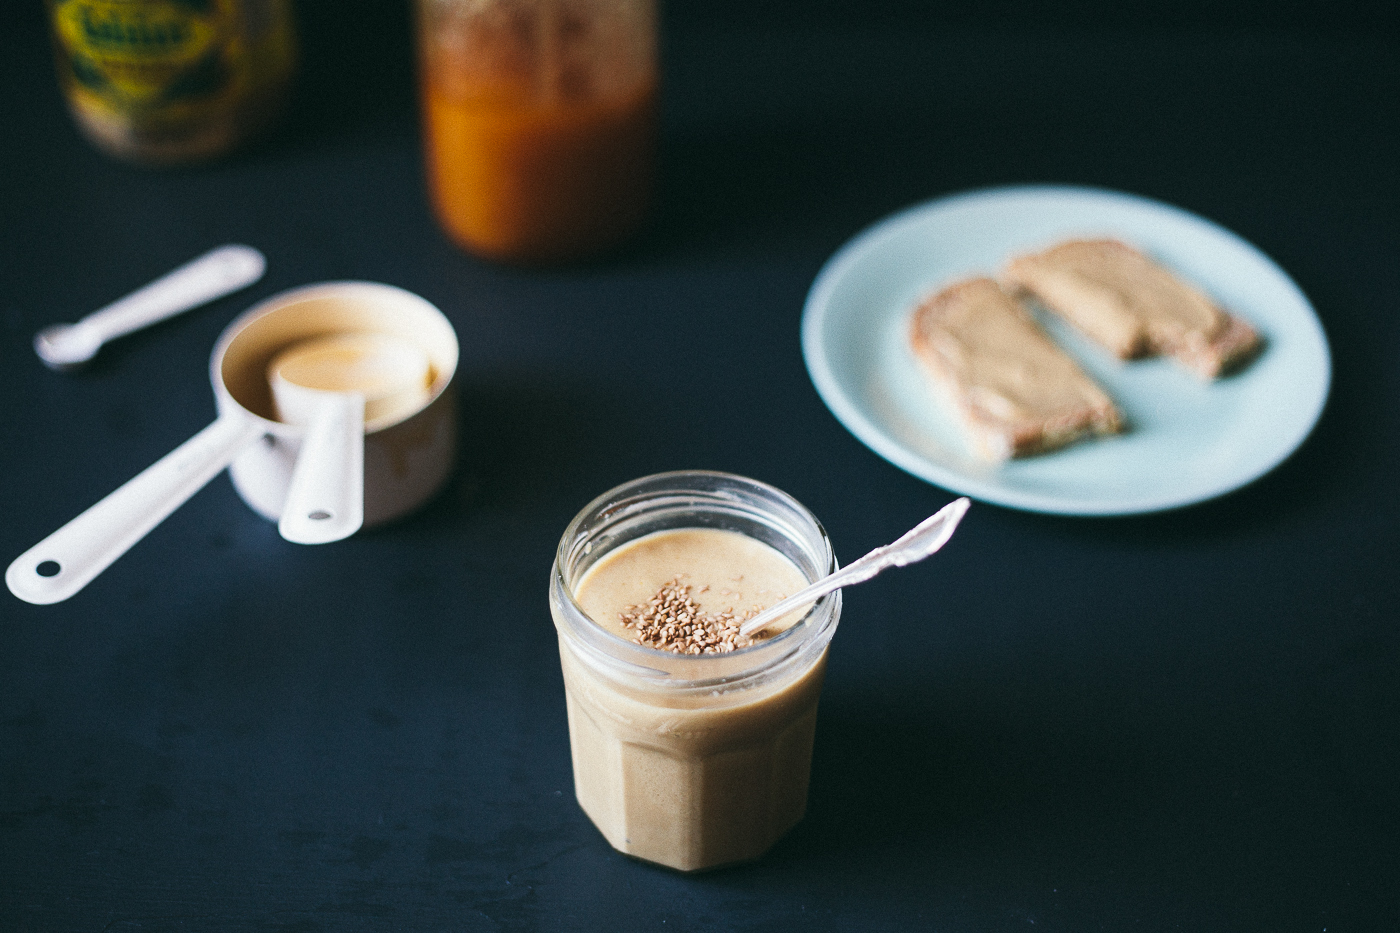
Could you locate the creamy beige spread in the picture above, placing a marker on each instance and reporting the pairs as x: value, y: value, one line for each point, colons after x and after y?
x: 1118, y: 296
x: 1016, y: 389
x: 726, y: 574
x: 393, y: 374
x: 690, y: 781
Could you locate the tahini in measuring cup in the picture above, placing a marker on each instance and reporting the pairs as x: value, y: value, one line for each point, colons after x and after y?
x: 407, y: 456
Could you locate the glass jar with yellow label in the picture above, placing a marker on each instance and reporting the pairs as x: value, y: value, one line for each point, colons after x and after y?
x: 173, y: 81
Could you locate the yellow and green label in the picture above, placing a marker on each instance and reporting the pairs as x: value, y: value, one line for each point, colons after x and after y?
x: 148, y: 57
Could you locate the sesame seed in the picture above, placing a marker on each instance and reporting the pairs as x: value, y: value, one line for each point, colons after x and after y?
x: 672, y: 621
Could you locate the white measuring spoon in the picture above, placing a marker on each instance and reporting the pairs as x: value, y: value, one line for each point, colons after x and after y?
x: 213, y: 275
x: 334, y: 386
x: 916, y: 544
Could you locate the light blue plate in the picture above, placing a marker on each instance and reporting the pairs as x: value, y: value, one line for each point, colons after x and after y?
x: 1187, y: 441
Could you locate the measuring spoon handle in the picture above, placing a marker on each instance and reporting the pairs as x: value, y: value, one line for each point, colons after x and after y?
x: 326, y: 496
x: 213, y: 275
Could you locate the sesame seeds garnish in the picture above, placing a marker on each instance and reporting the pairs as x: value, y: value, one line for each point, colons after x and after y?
x: 672, y: 621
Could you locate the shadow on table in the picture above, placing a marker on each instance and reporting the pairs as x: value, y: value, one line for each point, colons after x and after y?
x: 1037, y: 799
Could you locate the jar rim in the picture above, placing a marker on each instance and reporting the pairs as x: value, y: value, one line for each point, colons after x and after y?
x: 697, y: 491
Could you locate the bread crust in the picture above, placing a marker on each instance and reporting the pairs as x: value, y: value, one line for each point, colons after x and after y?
x: 1232, y: 348
x: 1014, y: 391
x: 1133, y: 306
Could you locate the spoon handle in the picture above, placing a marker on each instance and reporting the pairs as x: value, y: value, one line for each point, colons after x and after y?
x: 213, y: 275
x: 914, y: 545
x: 326, y: 497
x: 71, y: 557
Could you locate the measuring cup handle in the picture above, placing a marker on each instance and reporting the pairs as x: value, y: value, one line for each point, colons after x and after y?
x: 71, y: 557
x: 326, y: 496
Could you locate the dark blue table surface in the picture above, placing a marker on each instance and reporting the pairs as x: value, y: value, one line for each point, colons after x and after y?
x: 1184, y: 721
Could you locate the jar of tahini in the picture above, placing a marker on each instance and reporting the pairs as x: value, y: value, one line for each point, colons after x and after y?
x: 166, y: 82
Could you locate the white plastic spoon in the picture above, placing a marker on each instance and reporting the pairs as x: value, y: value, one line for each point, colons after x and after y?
x: 921, y: 541
x: 334, y: 386
x: 213, y: 275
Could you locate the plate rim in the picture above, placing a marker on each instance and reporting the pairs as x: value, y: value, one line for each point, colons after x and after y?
x: 851, y: 416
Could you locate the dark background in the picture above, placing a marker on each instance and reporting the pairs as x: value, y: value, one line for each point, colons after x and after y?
x: 1184, y: 721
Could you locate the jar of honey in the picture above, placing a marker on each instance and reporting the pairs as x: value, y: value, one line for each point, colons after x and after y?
x: 539, y: 122
x: 173, y: 81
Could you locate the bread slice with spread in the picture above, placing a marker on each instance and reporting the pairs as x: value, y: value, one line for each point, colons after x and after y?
x: 1132, y: 306
x: 1014, y: 390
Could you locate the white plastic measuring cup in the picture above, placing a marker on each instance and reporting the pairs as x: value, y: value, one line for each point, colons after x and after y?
x: 407, y: 455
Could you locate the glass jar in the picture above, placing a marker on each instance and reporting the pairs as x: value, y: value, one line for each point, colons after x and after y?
x: 692, y: 761
x: 539, y: 122
x: 171, y: 81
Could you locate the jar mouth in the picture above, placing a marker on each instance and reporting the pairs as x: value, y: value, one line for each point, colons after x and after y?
x: 690, y: 499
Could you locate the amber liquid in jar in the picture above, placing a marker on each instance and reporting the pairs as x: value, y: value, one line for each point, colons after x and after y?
x: 539, y: 122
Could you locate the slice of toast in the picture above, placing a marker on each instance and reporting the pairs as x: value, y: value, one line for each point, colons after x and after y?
x: 1014, y: 390
x: 1133, y: 306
